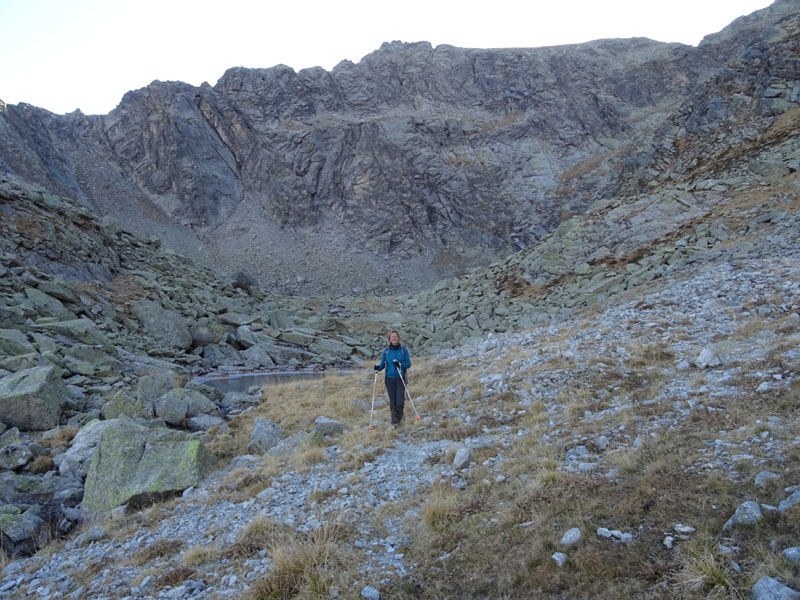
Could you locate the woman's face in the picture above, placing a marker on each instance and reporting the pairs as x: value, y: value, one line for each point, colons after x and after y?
x: 394, y: 338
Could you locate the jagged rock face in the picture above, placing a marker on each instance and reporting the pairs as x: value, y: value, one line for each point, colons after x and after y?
x: 415, y: 151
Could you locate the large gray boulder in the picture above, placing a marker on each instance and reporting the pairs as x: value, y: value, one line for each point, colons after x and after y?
x: 205, y: 422
x: 768, y: 588
x: 15, y: 456
x: 327, y: 426
x: 20, y: 528
x: 258, y: 356
x: 151, y: 387
x: 164, y: 325
x: 266, y: 434
x: 75, y: 462
x: 32, y: 399
x: 206, y: 331
x: 80, y: 330
x: 787, y: 503
x: 180, y: 404
x: 122, y: 404
x: 135, y: 465
x: 13, y: 342
x: 48, y: 306
x: 210, y: 392
x: 330, y: 349
x: 90, y: 360
x: 748, y: 513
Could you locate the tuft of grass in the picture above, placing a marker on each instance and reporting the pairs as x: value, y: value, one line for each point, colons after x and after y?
x: 200, y: 555
x: 305, y: 565
x: 261, y: 534
x: 61, y: 437
x: 441, y: 509
x: 705, y: 573
x: 173, y: 577
x: 157, y: 549
x: 42, y: 464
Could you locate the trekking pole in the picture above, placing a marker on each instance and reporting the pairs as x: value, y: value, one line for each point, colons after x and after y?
x: 409, y: 396
x: 372, y: 410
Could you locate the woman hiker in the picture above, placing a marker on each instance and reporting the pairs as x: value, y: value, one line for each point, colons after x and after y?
x: 396, y: 360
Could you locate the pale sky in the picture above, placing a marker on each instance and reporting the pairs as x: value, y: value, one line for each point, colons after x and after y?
x: 67, y: 54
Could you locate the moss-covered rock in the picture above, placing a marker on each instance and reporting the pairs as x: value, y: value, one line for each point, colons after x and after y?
x: 134, y: 463
x: 81, y: 330
x: 179, y: 404
x: 164, y: 325
x: 14, y: 342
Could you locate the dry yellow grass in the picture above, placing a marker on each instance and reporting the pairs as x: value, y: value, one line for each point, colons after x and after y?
x: 158, y: 549
x: 306, y: 565
x: 200, y: 555
x: 441, y: 508
x: 62, y: 437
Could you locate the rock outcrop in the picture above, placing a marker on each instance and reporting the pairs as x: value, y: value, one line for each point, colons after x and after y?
x: 416, y: 162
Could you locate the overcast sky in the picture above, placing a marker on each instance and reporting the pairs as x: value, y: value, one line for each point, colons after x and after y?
x: 67, y: 54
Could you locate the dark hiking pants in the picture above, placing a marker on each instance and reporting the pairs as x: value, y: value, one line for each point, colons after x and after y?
x: 394, y: 386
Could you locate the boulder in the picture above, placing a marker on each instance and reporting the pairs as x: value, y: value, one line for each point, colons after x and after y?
x: 80, y: 330
x: 259, y: 356
x: 204, y: 423
x: 20, y: 529
x: 789, y: 502
x: 164, y: 325
x: 294, y: 442
x: 748, y: 513
x: 178, y: 404
x: 135, y: 465
x: 48, y: 306
x: 237, y: 319
x: 327, y: 426
x: 296, y: 337
x: 151, y: 387
x: 75, y: 461
x: 15, y: 456
x: 768, y: 588
x: 331, y: 349
x: 20, y: 487
x: 210, y: 392
x: 141, y: 365
x: 792, y: 554
x: 59, y: 288
x: 286, y: 355
x: 121, y: 404
x: 462, y: 457
x: 92, y: 361
x: 215, y: 355
x: 32, y: 399
x: 266, y: 434
x: 93, y: 534
x: 206, y: 331
x: 20, y: 362
x: 707, y: 358
x: 13, y: 342
x: 238, y: 401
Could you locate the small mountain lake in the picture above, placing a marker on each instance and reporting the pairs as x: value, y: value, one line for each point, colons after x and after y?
x: 242, y: 381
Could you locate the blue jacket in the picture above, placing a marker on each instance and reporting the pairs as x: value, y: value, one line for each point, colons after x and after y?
x: 401, y: 355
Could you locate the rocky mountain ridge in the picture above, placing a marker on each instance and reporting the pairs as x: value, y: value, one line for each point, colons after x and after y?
x: 414, y: 164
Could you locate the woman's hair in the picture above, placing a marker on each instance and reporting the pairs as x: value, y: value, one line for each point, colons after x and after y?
x: 390, y: 336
